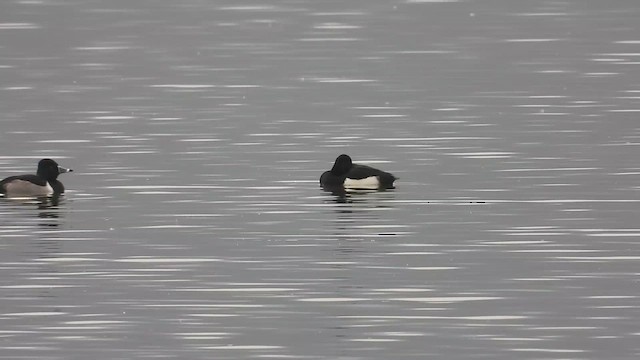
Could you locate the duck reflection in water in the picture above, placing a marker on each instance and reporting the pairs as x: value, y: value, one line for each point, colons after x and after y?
x: 46, y: 208
x: 347, y: 196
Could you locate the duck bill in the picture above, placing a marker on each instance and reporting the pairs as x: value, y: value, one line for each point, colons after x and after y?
x: 62, y: 170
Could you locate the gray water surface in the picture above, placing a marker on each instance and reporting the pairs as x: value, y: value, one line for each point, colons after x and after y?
x: 194, y: 227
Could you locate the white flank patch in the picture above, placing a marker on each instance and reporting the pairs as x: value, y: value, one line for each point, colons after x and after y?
x: 26, y: 188
x: 371, y: 182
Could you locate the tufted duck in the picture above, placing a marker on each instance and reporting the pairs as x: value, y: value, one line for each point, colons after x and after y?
x: 345, y: 173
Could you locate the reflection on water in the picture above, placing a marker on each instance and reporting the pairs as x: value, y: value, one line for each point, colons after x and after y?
x: 47, y: 209
x: 195, y: 227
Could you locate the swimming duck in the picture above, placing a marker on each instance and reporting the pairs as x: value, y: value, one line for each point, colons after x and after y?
x: 345, y: 173
x: 43, y: 183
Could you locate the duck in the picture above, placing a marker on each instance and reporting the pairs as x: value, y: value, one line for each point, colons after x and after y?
x: 43, y: 183
x: 345, y: 174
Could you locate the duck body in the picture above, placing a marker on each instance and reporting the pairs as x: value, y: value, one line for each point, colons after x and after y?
x: 348, y: 175
x: 44, y: 183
